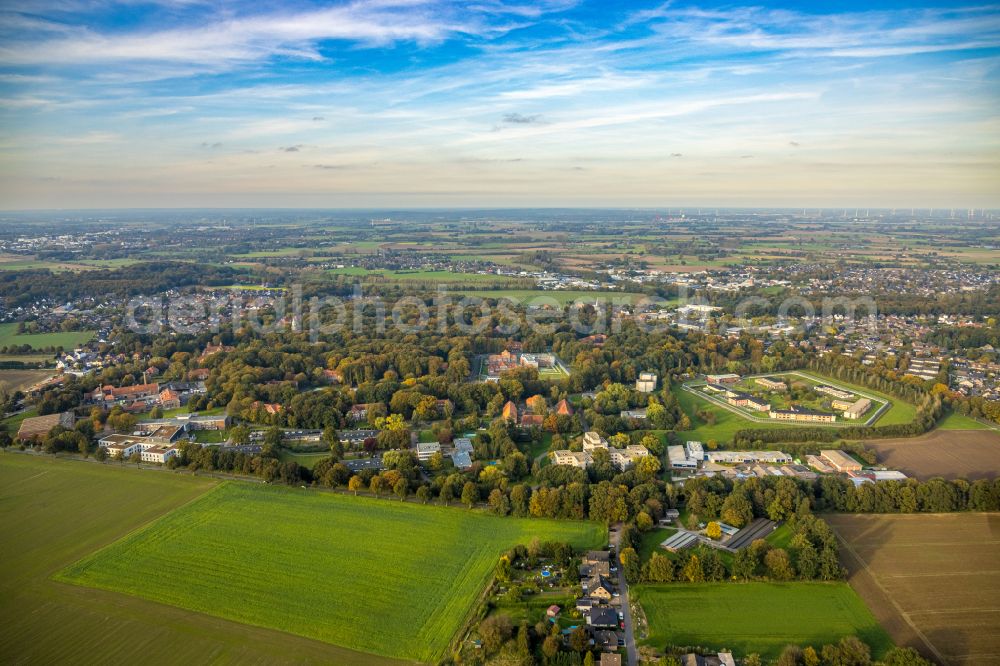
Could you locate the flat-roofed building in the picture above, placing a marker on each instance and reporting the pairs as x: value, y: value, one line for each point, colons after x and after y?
x: 695, y: 450
x: 833, y: 391
x: 427, y: 449
x: 819, y: 464
x: 728, y: 378
x: 572, y: 458
x: 840, y: 461
x: 770, y: 384
x: 804, y: 415
x: 593, y: 440
x: 858, y: 409
x: 679, y: 459
x: 625, y: 458
x: 646, y: 383
x: 746, y: 457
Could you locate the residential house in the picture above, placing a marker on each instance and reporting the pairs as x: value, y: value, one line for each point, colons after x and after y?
x: 603, y: 617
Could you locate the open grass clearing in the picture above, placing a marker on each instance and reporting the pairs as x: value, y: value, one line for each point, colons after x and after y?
x: 333, y: 564
x: 67, y: 340
x: 757, y: 617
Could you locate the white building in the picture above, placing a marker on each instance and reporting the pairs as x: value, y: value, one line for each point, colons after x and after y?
x: 646, y: 382
x: 426, y: 449
x: 679, y: 459
x: 695, y: 450
x: 745, y: 457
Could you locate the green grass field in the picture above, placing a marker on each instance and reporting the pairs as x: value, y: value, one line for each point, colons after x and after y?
x: 956, y: 421
x: 390, y: 578
x: 55, y: 512
x: 303, y: 459
x: 9, y: 336
x: 757, y: 617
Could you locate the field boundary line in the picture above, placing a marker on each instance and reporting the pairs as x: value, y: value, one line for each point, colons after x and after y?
x: 885, y: 593
x: 56, y: 576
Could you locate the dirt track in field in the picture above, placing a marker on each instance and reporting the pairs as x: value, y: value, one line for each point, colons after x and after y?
x: 952, y: 454
x: 932, y: 580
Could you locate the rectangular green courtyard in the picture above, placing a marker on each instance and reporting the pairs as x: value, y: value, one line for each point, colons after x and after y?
x: 390, y: 578
x: 757, y: 617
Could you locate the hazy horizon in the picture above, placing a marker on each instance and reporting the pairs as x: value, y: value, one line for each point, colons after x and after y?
x: 432, y: 104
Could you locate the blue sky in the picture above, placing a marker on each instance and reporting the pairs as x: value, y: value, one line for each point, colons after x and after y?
x: 497, y: 103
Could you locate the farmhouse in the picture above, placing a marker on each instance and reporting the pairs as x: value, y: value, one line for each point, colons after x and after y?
x: 800, y: 414
x: 840, y: 461
x: 35, y: 427
x: 771, y: 384
x: 646, y: 383
x: 835, y: 392
x: 729, y: 378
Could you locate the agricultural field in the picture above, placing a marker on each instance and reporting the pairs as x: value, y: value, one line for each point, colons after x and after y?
x: 560, y: 297
x: 320, y: 565
x: 756, y: 617
x: 442, y: 277
x: 16, y: 262
x: 9, y: 337
x: 18, y: 380
x: 951, y: 454
x: 931, y: 580
x: 55, y: 512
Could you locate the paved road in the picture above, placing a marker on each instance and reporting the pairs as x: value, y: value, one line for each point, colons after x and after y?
x: 626, y: 607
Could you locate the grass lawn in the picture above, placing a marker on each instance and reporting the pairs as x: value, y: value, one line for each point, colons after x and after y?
x: 390, y: 578
x: 757, y: 617
x: 651, y: 541
x: 956, y: 421
x: 308, y: 460
x: 210, y: 436
x: 55, y: 512
x: 13, y: 423
x: 9, y: 336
